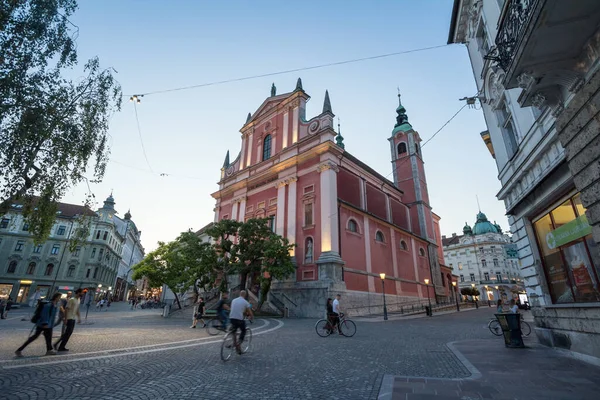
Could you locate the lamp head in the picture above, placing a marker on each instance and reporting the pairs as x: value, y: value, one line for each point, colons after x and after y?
x: 454, y: 284
x: 426, y: 281
x: 382, y: 275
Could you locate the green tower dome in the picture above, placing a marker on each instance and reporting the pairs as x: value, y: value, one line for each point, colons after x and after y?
x: 467, y: 229
x: 483, y: 226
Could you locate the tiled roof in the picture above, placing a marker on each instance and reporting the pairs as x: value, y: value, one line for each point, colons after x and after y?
x: 64, y: 209
x: 201, y: 231
x: 451, y: 240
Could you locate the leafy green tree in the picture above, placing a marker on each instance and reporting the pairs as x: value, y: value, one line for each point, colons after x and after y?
x: 264, y: 253
x: 177, y: 264
x: 225, y: 258
x: 248, y: 248
x: 277, y: 263
x: 51, y: 127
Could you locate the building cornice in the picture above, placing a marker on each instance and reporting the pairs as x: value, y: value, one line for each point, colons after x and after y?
x: 271, y: 173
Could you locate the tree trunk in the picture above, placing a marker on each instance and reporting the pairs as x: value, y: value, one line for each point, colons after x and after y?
x: 177, y: 299
x: 264, y: 291
x: 243, y: 278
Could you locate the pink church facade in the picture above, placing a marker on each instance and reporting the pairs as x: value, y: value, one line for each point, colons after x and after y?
x: 350, y: 223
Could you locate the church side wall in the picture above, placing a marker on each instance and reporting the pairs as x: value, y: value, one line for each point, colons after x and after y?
x: 308, y: 192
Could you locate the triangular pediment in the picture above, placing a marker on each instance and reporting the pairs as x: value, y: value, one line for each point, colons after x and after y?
x: 267, y: 105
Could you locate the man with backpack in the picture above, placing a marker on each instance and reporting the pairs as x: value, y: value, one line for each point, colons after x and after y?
x: 43, y: 318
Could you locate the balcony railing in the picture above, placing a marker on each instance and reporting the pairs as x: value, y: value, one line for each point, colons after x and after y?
x: 516, y: 16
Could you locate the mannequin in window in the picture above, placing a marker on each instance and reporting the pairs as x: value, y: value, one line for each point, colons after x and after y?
x: 308, y: 258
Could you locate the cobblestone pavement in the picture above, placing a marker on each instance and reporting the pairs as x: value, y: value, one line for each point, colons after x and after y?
x: 532, y: 373
x: 140, y: 355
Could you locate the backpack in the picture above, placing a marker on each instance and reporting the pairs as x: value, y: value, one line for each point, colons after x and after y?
x: 37, y: 314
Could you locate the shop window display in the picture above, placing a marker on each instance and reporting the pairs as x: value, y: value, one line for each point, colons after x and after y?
x: 569, y: 255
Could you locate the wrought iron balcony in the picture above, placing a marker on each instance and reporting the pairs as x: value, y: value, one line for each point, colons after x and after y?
x: 515, y: 19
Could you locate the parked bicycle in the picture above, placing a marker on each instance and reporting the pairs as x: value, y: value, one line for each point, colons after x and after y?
x: 325, y: 327
x: 229, y: 341
x: 496, y: 329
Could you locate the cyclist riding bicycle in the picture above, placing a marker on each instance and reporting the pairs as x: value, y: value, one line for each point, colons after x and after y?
x: 222, y: 308
x: 240, y: 307
x: 337, y: 311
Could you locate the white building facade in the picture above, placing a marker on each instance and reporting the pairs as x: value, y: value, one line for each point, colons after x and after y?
x: 53, y: 266
x: 485, y: 257
x: 558, y: 256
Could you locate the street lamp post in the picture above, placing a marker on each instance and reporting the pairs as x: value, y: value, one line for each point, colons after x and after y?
x: 385, y: 316
x: 474, y: 296
x: 428, y: 299
x: 456, y: 296
x: 488, y: 297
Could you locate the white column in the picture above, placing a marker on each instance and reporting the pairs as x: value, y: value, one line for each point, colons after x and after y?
x: 286, y: 132
x: 291, y: 214
x: 234, y: 210
x: 415, y: 264
x: 243, y: 154
x: 250, y: 144
x: 370, y: 279
x: 329, y: 212
x: 259, y: 154
x: 388, y: 206
x: 280, y: 222
x: 295, y: 126
x: 363, y: 194
x: 216, y: 210
x: 242, y: 209
x: 273, y: 144
x: 395, y: 260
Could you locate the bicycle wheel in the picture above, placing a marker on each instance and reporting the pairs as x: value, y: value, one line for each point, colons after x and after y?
x: 227, y: 347
x: 525, y: 328
x: 247, y: 341
x: 321, y: 328
x: 213, y: 327
x: 347, y: 328
x: 495, y: 328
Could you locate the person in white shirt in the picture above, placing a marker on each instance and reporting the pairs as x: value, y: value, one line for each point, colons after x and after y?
x: 336, y: 312
x: 239, y: 307
x: 514, y: 308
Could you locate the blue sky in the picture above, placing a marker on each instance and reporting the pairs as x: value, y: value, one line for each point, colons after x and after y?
x: 157, y: 45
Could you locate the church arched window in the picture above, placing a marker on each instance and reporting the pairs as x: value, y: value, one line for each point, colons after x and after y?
x: 267, y: 148
x: 401, y: 148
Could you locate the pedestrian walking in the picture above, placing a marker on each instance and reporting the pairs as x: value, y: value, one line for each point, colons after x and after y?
x: 198, y: 313
x: 44, y: 325
x: 71, y: 311
x: 5, y: 307
x: 62, y: 309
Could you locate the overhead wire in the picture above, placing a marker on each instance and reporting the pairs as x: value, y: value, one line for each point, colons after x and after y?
x: 137, y: 120
x: 401, y: 163
x: 135, y: 98
x: 326, y: 65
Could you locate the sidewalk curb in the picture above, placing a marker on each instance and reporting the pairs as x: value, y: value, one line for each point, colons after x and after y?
x: 386, y: 390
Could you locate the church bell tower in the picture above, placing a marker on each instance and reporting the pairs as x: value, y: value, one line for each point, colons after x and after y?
x: 409, y: 176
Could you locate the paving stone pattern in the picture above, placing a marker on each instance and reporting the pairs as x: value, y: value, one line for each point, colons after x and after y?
x: 533, y: 373
x: 287, y: 363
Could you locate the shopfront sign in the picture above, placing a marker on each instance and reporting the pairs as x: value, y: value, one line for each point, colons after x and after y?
x: 570, y: 231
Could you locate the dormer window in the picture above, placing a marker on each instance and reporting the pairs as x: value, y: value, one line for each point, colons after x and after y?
x: 401, y: 148
x: 267, y: 148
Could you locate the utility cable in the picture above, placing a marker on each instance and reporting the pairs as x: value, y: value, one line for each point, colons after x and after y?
x: 332, y: 64
x: 137, y: 120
